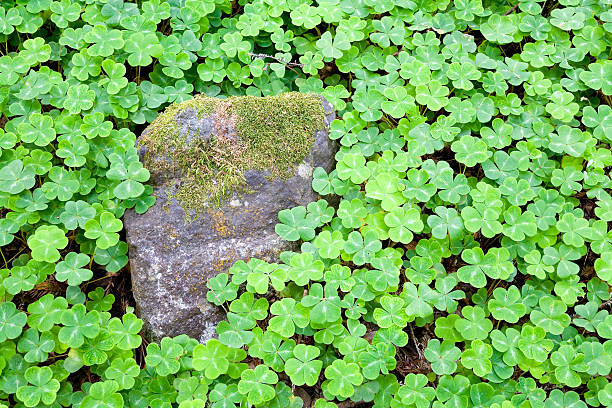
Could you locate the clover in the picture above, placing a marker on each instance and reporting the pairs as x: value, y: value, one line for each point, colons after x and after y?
x: 103, y: 229
x: 40, y: 387
x: 442, y: 356
x: 478, y: 358
x: 343, y: 377
x: 505, y: 305
x: 255, y: 384
x: 304, y: 368
x: 415, y: 392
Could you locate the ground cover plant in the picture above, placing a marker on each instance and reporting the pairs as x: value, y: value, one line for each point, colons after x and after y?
x: 468, y: 263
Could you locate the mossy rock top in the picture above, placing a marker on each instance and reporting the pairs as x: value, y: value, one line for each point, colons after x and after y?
x: 209, y: 143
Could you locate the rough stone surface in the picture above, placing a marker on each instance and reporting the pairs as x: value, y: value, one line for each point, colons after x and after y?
x: 171, y: 259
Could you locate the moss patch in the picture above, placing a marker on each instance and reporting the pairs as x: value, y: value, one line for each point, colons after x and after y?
x: 272, y: 134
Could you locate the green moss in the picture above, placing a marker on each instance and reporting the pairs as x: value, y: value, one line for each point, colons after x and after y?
x: 274, y: 133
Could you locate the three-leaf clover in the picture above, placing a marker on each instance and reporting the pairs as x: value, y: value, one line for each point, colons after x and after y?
x: 103, y: 394
x: 41, y: 387
x: 442, y: 356
x: 46, y: 241
x: 257, y: 384
x: 11, y: 321
x: 211, y: 358
x: 71, y: 269
x: 165, y: 356
x: 104, y: 230
x: 551, y: 315
x: 15, y: 177
x: 478, y: 358
x: 568, y: 363
x: 288, y: 314
x: 303, y: 368
x: 343, y: 377
x: 77, y: 325
x: 294, y: 224
x: 507, y: 304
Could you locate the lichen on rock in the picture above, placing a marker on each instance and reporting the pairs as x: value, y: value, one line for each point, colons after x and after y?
x: 211, y: 143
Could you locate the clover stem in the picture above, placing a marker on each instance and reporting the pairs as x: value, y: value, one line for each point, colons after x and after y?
x: 386, y: 119
x: 493, y: 287
x: 99, y: 279
x: 416, y: 345
x: 17, y: 254
x: 4, y: 259
x: 219, y: 300
x: 92, y: 257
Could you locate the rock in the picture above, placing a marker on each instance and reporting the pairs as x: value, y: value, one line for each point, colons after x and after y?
x: 221, y: 170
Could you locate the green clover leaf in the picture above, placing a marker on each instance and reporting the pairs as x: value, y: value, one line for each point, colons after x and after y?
x: 414, y: 392
x: 104, y: 42
x: 103, y: 394
x: 294, y: 225
x: 41, y: 387
x: 304, y: 368
x: 164, y: 357
x: 442, y: 356
x: 478, y: 358
x: 45, y: 243
x: 551, y: 315
x: 332, y: 48
x: 79, y: 98
x: 445, y: 222
x: 568, y: 363
x: 288, y: 314
x: 15, y: 177
x: 402, y: 223
x: 104, y: 230
x: 256, y: 384
x: 131, y: 178
x: 362, y: 247
x: 470, y: 151
x: 78, y: 324
x: 123, y: 371
x: 35, y: 347
x: 343, y: 377
x: 561, y: 106
x: 211, y: 358
x: 70, y: 269
x: 46, y: 312
x: 38, y: 130
x: 142, y: 48
x: 11, y: 321
x: 9, y: 19
x: 474, y: 325
x: 507, y: 304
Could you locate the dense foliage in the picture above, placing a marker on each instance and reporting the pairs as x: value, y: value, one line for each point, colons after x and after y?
x: 469, y: 261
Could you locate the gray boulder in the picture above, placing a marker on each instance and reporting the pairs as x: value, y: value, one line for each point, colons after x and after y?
x: 221, y: 170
